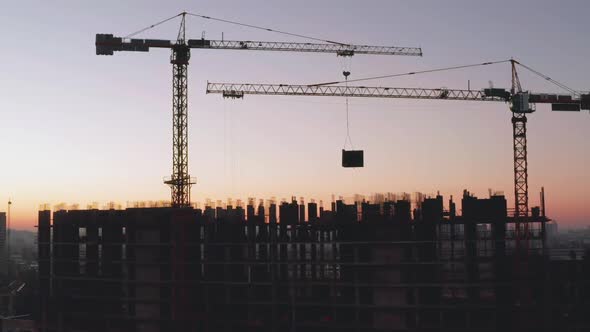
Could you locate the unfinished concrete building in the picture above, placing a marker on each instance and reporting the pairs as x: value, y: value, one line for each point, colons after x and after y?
x: 3, y: 245
x: 385, y: 265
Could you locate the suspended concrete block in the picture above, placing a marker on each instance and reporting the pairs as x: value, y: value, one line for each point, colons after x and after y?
x: 352, y: 158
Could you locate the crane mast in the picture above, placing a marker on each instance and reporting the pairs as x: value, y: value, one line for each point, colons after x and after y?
x: 180, y: 181
x: 238, y: 90
x: 520, y: 107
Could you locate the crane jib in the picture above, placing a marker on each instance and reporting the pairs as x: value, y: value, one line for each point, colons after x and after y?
x: 106, y: 44
x: 237, y: 90
x: 521, y: 102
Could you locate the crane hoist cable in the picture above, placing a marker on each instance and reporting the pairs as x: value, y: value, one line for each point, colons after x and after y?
x: 412, y: 73
x: 226, y: 144
x: 347, y: 139
x: 345, y: 66
x: 231, y: 151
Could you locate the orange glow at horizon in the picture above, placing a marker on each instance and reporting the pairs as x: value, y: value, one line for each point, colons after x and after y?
x: 571, y: 214
x: 80, y: 128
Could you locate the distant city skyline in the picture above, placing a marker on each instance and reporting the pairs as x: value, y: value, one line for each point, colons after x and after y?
x: 80, y: 128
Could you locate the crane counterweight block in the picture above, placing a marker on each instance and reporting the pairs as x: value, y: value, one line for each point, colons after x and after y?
x: 496, y: 92
x: 106, y: 44
x: 563, y: 107
x: 585, y: 102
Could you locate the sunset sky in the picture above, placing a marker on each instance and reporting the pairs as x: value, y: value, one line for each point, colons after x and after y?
x: 79, y: 128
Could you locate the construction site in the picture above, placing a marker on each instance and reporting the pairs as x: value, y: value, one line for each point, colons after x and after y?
x: 387, y: 265
x: 384, y: 263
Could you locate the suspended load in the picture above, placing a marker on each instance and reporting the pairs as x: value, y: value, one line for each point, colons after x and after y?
x: 352, y: 158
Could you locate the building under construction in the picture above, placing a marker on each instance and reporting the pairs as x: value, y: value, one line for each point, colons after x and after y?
x: 388, y: 264
x: 3, y: 245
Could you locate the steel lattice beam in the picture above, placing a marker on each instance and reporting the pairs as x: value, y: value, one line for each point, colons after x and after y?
x: 341, y: 49
x: 180, y: 181
x: 521, y: 188
x: 238, y: 90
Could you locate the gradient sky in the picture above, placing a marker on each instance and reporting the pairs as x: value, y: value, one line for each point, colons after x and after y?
x: 79, y: 128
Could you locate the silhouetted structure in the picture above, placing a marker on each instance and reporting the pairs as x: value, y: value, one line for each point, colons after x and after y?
x: 180, y: 181
x: 387, y: 265
x: 3, y: 244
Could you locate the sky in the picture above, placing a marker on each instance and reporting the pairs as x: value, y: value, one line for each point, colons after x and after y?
x: 80, y: 128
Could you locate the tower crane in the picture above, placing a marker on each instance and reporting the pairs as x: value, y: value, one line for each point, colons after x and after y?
x: 180, y: 180
x: 521, y: 103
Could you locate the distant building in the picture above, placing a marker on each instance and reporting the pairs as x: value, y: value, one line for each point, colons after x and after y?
x: 18, y: 325
x: 3, y: 244
x: 552, y: 234
x: 8, y: 296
